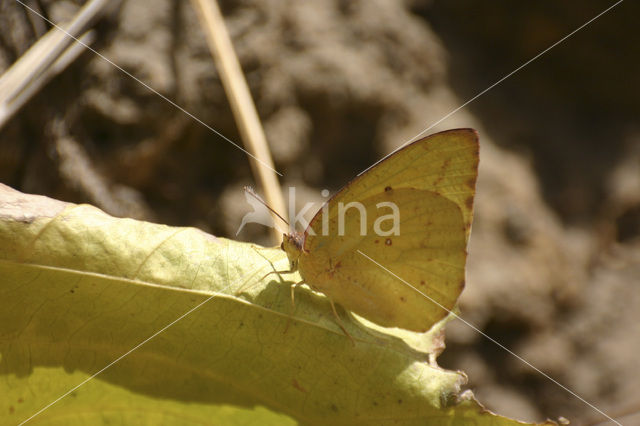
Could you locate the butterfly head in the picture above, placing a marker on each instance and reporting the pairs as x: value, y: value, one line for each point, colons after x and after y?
x: 292, y: 245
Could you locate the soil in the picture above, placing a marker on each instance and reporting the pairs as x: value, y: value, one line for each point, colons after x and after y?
x: 554, y: 259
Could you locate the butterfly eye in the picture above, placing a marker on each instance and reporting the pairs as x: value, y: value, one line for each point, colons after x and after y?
x: 282, y: 245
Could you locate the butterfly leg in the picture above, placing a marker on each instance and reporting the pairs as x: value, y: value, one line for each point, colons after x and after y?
x: 293, y: 304
x: 246, y: 287
x: 275, y: 271
x: 335, y: 313
x: 293, y: 295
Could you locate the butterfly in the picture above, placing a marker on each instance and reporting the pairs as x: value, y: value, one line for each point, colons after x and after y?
x: 368, y: 262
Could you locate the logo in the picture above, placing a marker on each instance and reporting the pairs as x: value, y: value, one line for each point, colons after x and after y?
x: 354, y: 214
x: 260, y: 213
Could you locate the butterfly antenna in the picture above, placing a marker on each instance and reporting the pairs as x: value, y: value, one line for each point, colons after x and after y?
x: 251, y: 192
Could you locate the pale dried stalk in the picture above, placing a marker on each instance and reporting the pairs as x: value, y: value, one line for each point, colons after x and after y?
x: 242, y: 104
x: 47, y: 57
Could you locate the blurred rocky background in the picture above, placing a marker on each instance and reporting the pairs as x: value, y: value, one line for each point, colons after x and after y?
x: 554, y: 265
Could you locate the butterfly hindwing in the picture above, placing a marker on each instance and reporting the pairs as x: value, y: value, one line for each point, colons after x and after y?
x: 428, y: 253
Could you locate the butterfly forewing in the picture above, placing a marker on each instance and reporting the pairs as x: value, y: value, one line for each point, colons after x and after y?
x: 445, y: 163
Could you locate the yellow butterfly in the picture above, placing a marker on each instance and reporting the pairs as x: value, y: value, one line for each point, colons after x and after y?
x: 351, y: 250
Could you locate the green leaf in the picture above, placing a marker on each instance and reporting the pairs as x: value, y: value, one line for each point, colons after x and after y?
x: 207, y: 338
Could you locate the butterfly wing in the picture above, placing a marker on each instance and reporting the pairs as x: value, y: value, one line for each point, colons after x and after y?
x: 445, y: 163
x: 432, y: 184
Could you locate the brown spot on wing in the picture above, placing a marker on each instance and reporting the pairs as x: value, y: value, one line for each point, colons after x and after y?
x: 471, y: 182
x: 469, y: 202
x: 387, y: 189
x: 388, y: 241
x: 296, y: 385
